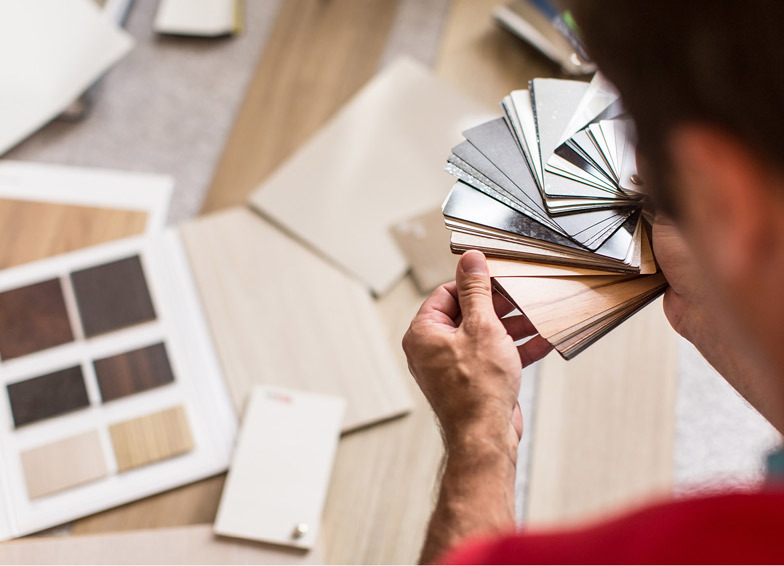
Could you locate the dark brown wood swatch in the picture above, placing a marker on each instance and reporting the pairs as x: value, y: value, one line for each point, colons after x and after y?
x: 133, y: 372
x: 112, y: 296
x: 33, y: 318
x: 47, y: 396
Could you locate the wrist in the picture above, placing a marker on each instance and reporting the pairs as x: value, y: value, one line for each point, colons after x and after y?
x: 484, y: 440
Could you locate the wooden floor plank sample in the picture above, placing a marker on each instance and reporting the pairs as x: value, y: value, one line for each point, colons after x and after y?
x: 318, y: 55
x: 604, y: 430
x: 280, y: 315
x: 59, y: 228
x: 194, y: 544
x: 484, y: 60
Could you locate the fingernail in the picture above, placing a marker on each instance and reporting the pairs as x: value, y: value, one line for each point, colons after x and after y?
x: 474, y: 262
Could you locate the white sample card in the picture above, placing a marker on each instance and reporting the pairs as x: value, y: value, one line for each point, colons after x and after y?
x: 50, y: 52
x: 281, y: 469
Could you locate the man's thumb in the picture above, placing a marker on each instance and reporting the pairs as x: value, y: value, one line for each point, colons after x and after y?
x: 473, y: 285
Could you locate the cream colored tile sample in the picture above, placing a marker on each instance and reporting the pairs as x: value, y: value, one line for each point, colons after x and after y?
x: 151, y: 438
x: 377, y: 162
x: 195, y: 544
x: 424, y: 240
x: 604, y: 429
x: 280, y: 315
x: 209, y: 18
x: 63, y: 464
x: 281, y: 468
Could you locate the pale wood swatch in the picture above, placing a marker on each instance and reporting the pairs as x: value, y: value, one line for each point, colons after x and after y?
x: 59, y: 228
x: 194, y: 544
x: 280, y: 315
x: 424, y: 241
x: 151, y: 438
x: 604, y: 424
x: 372, y: 165
x: 63, y: 464
x: 514, y: 268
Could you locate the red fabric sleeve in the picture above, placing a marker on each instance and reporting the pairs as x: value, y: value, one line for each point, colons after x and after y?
x: 725, y: 529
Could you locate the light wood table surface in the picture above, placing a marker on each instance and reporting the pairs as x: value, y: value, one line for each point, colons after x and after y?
x: 319, y: 54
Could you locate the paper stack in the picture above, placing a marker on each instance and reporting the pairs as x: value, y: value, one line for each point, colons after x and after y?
x: 551, y: 194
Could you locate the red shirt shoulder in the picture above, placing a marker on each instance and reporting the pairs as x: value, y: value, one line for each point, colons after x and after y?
x: 721, y: 529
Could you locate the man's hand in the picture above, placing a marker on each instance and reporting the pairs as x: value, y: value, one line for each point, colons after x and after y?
x: 464, y: 359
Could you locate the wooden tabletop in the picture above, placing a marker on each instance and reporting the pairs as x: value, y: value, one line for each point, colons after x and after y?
x: 318, y: 54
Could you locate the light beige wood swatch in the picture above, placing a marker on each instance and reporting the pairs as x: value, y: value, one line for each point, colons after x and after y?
x: 195, y: 544
x: 281, y: 468
x: 280, y: 315
x: 511, y: 268
x: 573, y: 312
x: 151, y: 438
x: 64, y: 464
x: 604, y: 424
x: 425, y: 243
x: 370, y: 167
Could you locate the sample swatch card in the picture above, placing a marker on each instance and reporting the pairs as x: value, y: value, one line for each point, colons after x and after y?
x: 111, y: 388
x: 368, y: 169
x: 281, y: 469
x: 550, y: 192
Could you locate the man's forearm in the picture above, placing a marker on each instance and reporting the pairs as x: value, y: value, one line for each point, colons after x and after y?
x: 477, y: 494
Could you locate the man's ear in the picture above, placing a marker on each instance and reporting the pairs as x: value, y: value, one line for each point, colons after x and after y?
x: 728, y: 200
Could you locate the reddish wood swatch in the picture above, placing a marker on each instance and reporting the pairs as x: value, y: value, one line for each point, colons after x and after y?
x: 33, y: 318
x: 133, y: 372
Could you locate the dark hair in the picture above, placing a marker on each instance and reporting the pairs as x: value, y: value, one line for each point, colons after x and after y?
x: 714, y: 62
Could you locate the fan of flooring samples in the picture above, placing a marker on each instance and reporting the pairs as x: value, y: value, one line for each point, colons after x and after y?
x: 550, y: 193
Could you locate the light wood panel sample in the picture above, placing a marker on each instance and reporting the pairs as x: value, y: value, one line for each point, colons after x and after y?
x: 318, y: 55
x: 151, y: 438
x: 35, y: 230
x: 195, y: 544
x: 377, y: 162
x: 603, y: 436
x: 63, y: 464
x: 280, y: 315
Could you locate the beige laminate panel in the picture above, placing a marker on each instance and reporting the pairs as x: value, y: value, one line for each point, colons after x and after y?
x: 280, y: 315
x: 604, y: 430
x: 195, y: 544
x: 379, y: 161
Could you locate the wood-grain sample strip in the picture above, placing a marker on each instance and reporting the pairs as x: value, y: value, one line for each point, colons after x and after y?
x: 112, y: 296
x: 604, y: 430
x: 59, y: 228
x: 281, y: 315
x: 195, y: 544
x: 63, y: 464
x: 47, y: 396
x: 151, y: 438
x: 33, y: 318
x: 320, y: 54
x: 133, y: 372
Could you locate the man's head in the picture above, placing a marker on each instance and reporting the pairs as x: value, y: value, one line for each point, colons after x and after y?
x: 702, y: 81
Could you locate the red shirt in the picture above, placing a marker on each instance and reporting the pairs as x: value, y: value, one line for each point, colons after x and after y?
x: 723, y: 529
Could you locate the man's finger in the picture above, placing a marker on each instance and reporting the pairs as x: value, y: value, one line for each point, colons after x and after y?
x: 534, y: 350
x: 518, y: 326
x: 442, y: 304
x: 474, y: 292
